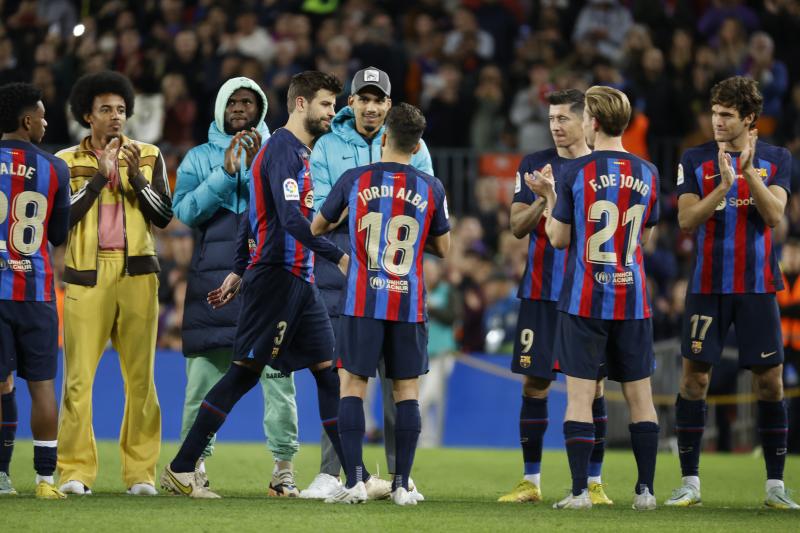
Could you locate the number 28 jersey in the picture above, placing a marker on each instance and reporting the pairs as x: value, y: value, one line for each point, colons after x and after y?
x: 392, y: 210
x: 609, y: 198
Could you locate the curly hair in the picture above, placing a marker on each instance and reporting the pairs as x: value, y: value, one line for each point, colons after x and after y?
x: 15, y: 100
x: 89, y: 86
x: 740, y: 93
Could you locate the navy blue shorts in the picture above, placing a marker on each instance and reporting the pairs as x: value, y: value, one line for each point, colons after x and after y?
x: 533, y: 345
x: 755, y: 317
x: 28, y: 339
x: 590, y: 348
x: 283, y: 322
x: 362, y: 341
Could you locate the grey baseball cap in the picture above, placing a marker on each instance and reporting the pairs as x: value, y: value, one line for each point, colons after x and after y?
x: 373, y: 77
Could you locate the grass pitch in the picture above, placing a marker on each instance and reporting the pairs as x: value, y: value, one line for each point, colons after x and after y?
x: 460, y: 488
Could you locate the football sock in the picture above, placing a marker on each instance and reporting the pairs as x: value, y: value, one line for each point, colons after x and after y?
x: 579, y: 437
x: 45, y: 457
x: 532, y: 425
x: 8, y: 428
x: 644, y: 441
x: 773, y: 428
x: 215, y: 407
x: 407, y: 428
x: 351, y: 433
x: 598, y: 451
x: 690, y: 421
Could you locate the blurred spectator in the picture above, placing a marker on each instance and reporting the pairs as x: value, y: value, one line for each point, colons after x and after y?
x: 731, y: 47
x: 488, y: 121
x: 250, y: 39
x: 495, y: 17
x: 180, y: 112
x: 529, y: 111
x: 465, y: 26
x: 500, y: 317
x: 448, y: 111
x: 713, y: 20
x: 790, y: 122
x: 772, y: 78
x: 604, y: 24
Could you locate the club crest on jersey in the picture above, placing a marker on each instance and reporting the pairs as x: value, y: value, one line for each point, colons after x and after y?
x: 290, y: 190
x: 602, y: 277
x: 525, y: 361
x: 3, y: 264
x: 309, y: 199
x: 697, y: 347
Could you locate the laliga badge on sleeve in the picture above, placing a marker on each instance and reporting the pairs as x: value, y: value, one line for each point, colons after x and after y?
x: 680, y: 175
x: 290, y: 190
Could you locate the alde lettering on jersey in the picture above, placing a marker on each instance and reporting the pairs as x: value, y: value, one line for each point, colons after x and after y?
x: 15, y: 169
x: 387, y: 191
x: 622, y: 181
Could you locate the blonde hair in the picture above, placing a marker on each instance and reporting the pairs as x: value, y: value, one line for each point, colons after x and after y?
x: 610, y: 107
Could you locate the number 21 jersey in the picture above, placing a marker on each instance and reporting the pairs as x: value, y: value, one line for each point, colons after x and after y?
x: 609, y: 198
x: 392, y: 210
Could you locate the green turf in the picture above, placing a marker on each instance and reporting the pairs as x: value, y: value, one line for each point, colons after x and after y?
x: 460, y: 487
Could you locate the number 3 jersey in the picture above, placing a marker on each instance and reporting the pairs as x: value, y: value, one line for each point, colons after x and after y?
x: 392, y: 210
x: 609, y: 198
x: 34, y: 209
x: 735, y: 252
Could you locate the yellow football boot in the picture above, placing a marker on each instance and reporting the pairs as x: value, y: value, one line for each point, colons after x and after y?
x: 525, y: 491
x: 598, y: 495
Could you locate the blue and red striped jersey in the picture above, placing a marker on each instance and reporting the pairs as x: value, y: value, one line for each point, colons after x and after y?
x: 281, y: 208
x: 544, y: 270
x: 609, y: 198
x: 735, y: 252
x: 392, y: 210
x: 34, y: 209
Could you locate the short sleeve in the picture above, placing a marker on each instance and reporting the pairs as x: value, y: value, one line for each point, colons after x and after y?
x: 685, y: 181
x: 522, y: 193
x: 440, y: 224
x: 783, y: 172
x: 337, y: 200
x: 565, y: 202
x: 63, y: 193
x: 655, y: 210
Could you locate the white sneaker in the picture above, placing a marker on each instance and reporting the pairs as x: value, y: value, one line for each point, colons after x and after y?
x: 685, y: 496
x: 401, y: 496
x: 414, y: 491
x: 644, y: 501
x: 185, y: 484
x: 377, y: 488
x: 357, y: 494
x: 581, y: 501
x: 75, y: 487
x: 282, y: 484
x: 323, y: 486
x: 142, y: 489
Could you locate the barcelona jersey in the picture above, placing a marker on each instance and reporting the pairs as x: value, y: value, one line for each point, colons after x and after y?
x: 392, y: 210
x: 281, y: 208
x: 608, y: 197
x: 34, y: 209
x: 544, y: 269
x: 735, y: 249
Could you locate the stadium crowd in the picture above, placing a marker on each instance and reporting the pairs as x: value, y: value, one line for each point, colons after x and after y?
x: 480, y: 70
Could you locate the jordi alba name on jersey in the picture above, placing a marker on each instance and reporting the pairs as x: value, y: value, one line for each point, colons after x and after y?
x: 735, y: 252
x: 280, y: 182
x: 32, y: 183
x: 544, y: 269
x: 392, y: 210
x: 609, y: 198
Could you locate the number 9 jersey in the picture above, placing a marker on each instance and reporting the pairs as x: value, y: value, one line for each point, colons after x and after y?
x: 392, y: 210
x: 34, y: 209
x: 608, y: 197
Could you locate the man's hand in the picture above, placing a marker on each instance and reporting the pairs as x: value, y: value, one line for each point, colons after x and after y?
x: 131, y: 153
x: 344, y: 264
x: 749, y: 150
x: 107, y: 164
x: 222, y: 295
x: 233, y: 155
x: 542, y: 183
x: 251, y: 140
x: 726, y: 170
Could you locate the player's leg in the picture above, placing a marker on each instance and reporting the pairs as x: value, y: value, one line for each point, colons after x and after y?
x: 202, y: 373
x: 134, y: 337
x: 600, y: 421
x: 706, y: 323
x: 353, y: 388
x: 760, y: 340
x: 389, y: 418
x: 44, y: 427
x: 533, y: 358
x: 8, y: 430
x: 280, y: 428
x: 88, y: 319
x: 644, y: 439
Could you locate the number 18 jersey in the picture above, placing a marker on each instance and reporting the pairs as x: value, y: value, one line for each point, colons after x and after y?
x: 392, y: 210
x: 608, y: 197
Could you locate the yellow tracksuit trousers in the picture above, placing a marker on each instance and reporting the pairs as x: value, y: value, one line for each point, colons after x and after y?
x: 124, y: 309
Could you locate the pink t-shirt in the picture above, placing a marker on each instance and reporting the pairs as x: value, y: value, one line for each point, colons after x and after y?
x: 110, y: 230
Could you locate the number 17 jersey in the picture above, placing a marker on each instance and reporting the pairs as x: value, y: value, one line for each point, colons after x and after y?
x: 392, y: 210
x: 608, y: 197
